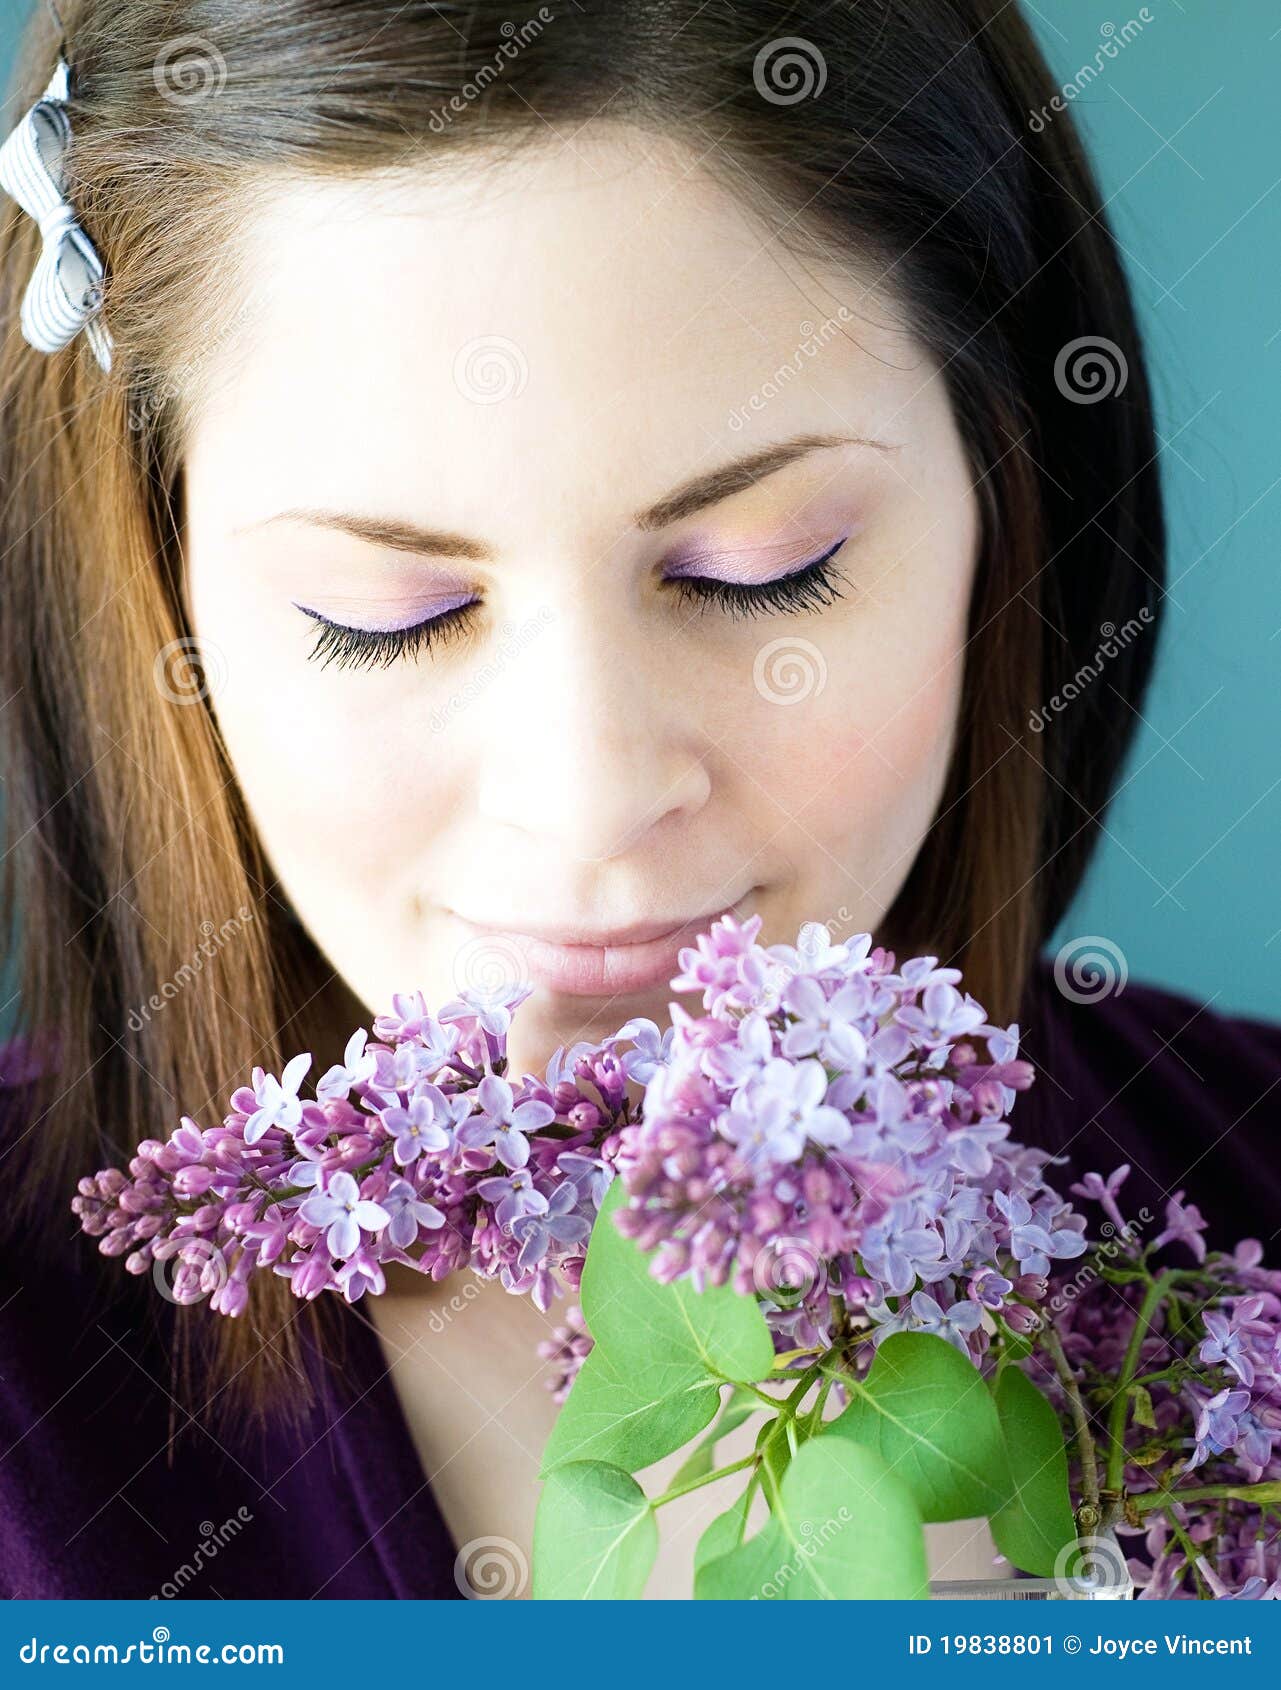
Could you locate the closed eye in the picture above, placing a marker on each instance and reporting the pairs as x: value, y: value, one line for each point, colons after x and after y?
x: 811, y: 587
x: 379, y: 648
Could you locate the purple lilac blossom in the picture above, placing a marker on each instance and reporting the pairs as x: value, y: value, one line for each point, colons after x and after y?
x: 826, y: 1108
x: 1211, y: 1363
x: 828, y: 1134
x: 830, y: 1107
x: 420, y: 1151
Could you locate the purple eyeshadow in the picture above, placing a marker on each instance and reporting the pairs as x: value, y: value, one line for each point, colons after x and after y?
x: 714, y: 566
x: 425, y: 613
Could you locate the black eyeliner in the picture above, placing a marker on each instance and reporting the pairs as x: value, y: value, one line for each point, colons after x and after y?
x: 379, y: 648
x: 812, y: 587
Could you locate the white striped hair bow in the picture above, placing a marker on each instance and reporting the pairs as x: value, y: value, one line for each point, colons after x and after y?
x: 64, y: 297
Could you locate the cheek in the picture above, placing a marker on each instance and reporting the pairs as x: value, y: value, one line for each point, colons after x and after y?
x: 857, y: 778
x: 855, y: 771
x: 337, y: 799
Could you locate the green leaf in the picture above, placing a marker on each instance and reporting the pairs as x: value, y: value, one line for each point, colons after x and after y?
x: 775, y: 1447
x: 1016, y: 1345
x: 723, y: 1535
x: 1033, y: 1526
x: 718, y: 1333
x: 611, y: 1415
x: 1148, y: 1454
x: 854, y: 1523
x: 1141, y: 1408
x: 845, y: 1528
x: 595, y: 1536
x: 739, y: 1406
x: 747, y: 1572
x: 925, y: 1408
x: 661, y: 1354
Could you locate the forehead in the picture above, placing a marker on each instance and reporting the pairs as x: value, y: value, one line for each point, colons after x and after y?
x: 566, y: 307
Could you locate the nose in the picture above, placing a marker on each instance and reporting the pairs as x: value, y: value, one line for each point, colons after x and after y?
x: 590, y: 743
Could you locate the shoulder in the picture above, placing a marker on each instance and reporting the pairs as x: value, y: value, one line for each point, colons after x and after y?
x: 1189, y: 1095
x: 1134, y: 1034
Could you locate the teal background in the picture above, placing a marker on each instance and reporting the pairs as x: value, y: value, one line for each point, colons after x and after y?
x: 1184, y: 127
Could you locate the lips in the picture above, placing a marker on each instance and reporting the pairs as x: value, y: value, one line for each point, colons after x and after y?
x: 580, y: 962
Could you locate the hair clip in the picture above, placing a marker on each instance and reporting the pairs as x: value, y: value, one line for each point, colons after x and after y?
x: 65, y: 295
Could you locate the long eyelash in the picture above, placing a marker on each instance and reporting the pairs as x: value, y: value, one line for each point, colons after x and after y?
x: 812, y: 588
x: 365, y: 648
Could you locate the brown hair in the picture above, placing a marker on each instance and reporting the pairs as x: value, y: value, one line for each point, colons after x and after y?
x: 125, y: 827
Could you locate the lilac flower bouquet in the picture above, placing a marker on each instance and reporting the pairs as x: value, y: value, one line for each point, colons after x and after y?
x: 801, y: 1206
x: 1169, y: 1373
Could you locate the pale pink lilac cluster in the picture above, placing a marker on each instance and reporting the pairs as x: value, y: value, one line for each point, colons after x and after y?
x: 828, y: 1135
x: 1209, y: 1367
x: 565, y: 1351
x: 825, y: 1134
x: 416, y: 1149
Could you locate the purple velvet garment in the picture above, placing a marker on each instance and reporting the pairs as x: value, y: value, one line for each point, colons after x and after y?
x: 107, y: 1489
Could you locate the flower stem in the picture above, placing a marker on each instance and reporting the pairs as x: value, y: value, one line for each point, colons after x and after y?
x: 816, y: 1416
x: 1081, y: 1422
x: 1269, y: 1491
x: 706, y: 1479
x: 1152, y: 1300
x: 793, y: 1401
x: 782, y: 1362
x: 771, y: 1402
x: 1167, y: 1375
x: 1190, y: 1553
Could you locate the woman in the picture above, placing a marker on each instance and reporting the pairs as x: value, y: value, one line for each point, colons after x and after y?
x: 558, y: 478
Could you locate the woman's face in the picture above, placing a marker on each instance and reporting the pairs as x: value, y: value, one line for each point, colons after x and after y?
x: 573, y: 565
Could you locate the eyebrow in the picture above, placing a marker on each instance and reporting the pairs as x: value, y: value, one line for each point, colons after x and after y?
x: 736, y: 477
x: 687, y: 500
